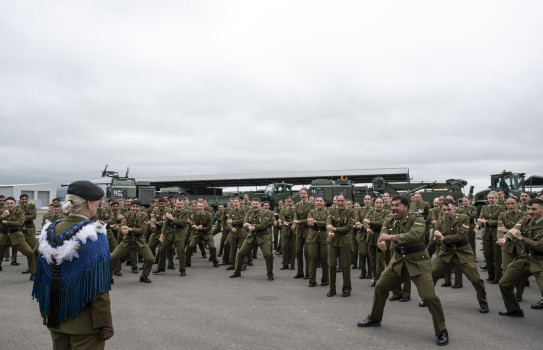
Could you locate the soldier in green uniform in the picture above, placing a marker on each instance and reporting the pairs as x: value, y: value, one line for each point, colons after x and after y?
x: 277, y: 228
x: 301, y: 210
x: 529, y: 231
x: 409, y: 261
x: 133, y: 228
x: 423, y: 208
x: 488, y: 220
x: 338, y: 225
x: 373, y: 223
x: 157, y: 222
x: 511, y: 249
x: 288, y: 234
x: 224, y: 249
x: 73, y: 292
x: 113, y: 220
x: 11, y: 222
x: 435, y: 214
x: 465, y: 207
x: 201, y: 224
x: 524, y: 199
x: 174, y: 233
x: 363, y: 253
x: 451, y: 233
x: 2, y: 204
x: 234, y: 223
x: 316, y: 242
x: 29, y: 228
x: 257, y: 223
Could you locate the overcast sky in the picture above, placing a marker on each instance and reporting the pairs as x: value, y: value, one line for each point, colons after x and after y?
x: 450, y: 89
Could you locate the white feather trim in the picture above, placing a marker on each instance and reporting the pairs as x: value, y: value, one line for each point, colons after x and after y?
x: 68, y: 250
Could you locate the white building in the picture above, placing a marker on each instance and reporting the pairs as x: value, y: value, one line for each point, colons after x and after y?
x: 40, y: 194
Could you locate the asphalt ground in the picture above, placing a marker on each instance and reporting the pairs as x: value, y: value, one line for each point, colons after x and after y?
x: 208, y: 310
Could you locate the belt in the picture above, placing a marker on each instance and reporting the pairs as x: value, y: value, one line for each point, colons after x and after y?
x: 531, y: 252
x: 176, y: 226
x: 319, y: 229
x: 410, y: 250
x: 457, y: 245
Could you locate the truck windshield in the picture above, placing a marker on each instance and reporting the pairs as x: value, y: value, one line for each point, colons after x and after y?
x: 509, y: 182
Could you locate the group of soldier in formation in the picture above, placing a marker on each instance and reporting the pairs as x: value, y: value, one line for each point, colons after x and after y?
x: 391, y: 241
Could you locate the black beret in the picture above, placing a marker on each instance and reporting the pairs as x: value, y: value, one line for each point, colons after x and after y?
x: 86, y: 189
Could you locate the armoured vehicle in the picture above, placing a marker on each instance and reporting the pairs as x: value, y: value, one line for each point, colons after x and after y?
x: 124, y: 186
x: 511, y: 183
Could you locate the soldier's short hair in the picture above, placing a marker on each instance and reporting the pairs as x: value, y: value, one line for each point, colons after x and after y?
x: 514, y: 197
x: 402, y: 200
x: 531, y: 202
x: 138, y: 203
x: 23, y: 196
x: 170, y: 196
x: 493, y: 193
x: 256, y: 199
x: 304, y: 189
x: 499, y: 190
x: 2, y: 196
x: 56, y: 205
x: 10, y: 199
x: 114, y: 203
x: 161, y: 200
x: 448, y: 202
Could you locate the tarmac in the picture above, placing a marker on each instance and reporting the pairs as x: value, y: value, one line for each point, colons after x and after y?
x: 208, y: 310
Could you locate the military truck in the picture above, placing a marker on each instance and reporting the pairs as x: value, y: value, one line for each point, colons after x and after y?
x: 273, y: 193
x: 429, y: 190
x: 511, y: 183
x: 124, y: 186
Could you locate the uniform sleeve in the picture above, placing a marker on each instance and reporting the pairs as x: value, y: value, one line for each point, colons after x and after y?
x: 101, y: 311
x: 17, y: 221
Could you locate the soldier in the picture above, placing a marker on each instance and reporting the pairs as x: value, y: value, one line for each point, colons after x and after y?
x: 471, y: 211
x: 11, y: 222
x: 373, y: 223
x: 277, y: 228
x: 529, y: 231
x: 257, y: 223
x: 316, y: 242
x: 224, y: 248
x: 72, y: 288
x: 54, y: 215
x: 113, y: 221
x: 2, y: 204
x: 451, y: 233
x: 409, y: 261
x: 386, y: 200
x: 237, y: 235
x: 488, y: 220
x: 301, y: 210
x: 288, y: 234
x: 174, y: 233
x: 511, y: 249
x: 339, y: 224
x: 524, y: 199
x: 133, y: 227
x: 361, y: 238
x: 421, y: 207
x: 157, y: 222
x: 28, y: 229
x: 500, y: 194
x: 47, y: 216
x: 201, y: 224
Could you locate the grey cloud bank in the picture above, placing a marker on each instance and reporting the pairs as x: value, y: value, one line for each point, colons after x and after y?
x: 448, y: 89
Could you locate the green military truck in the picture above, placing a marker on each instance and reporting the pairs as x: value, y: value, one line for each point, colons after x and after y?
x: 124, y: 186
x: 511, y: 183
x: 429, y: 190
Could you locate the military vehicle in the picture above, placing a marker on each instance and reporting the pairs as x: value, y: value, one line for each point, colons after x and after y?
x: 273, y: 193
x: 511, y: 183
x: 124, y: 186
x: 429, y: 190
